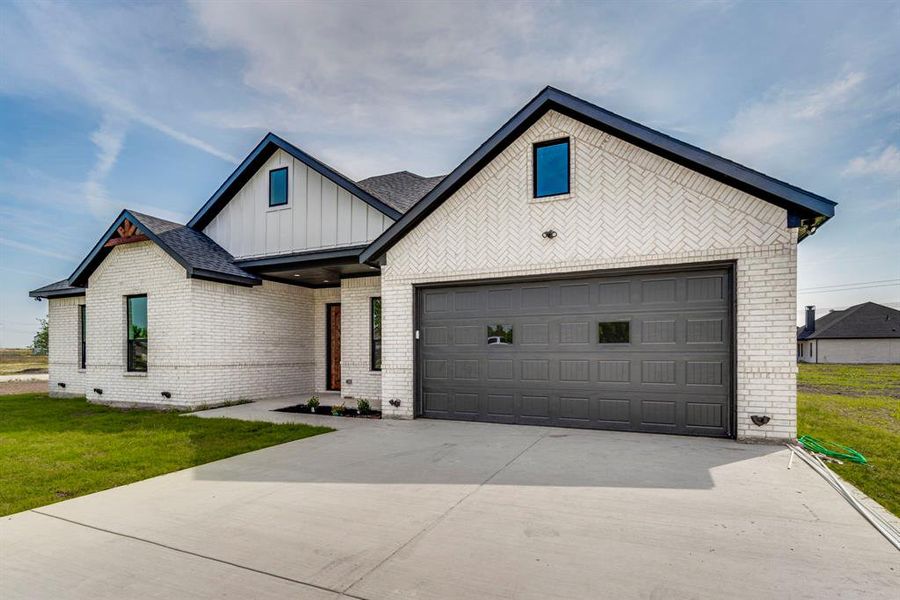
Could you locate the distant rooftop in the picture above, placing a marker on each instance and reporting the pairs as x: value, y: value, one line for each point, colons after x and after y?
x: 866, y: 320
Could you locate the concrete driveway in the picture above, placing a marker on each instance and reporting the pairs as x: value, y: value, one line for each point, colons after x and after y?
x: 429, y: 509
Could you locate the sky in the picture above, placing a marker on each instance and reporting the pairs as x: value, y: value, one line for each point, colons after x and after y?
x: 150, y: 106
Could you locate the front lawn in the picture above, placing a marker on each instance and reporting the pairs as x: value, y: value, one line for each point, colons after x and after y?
x: 54, y: 449
x: 857, y: 406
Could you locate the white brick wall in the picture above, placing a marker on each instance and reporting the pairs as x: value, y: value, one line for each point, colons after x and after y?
x: 209, y: 343
x: 628, y: 208
x: 356, y: 295
x: 63, y: 358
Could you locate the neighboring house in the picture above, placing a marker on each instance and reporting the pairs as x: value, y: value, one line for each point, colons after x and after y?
x: 578, y: 269
x: 865, y: 333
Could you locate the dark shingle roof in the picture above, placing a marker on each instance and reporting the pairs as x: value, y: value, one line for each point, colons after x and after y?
x: 866, y: 320
x: 57, y: 289
x: 399, y: 190
x: 195, y: 248
x: 198, y: 254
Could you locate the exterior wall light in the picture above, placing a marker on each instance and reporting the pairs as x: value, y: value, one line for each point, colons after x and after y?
x: 760, y: 420
x: 61, y: 384
x: 166, y: 394
x: 98, y: 391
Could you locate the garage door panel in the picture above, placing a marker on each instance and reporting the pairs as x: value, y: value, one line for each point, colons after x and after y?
x: 531, y: 352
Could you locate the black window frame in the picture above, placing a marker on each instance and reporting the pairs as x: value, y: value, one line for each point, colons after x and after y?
x: 286, y: 187
x: 82, y: 336
x: 129, y: 346
x: 534, y: 166
x: 373, y: 365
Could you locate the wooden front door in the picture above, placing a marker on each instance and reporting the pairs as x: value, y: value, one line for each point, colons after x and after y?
x: 333, y: 347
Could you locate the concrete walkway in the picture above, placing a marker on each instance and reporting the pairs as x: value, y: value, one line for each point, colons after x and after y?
x: 24, y: 377
x: 429, y: 509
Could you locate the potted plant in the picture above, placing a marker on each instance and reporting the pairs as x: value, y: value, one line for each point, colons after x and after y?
x: 362, y: 405
x: 337, y: 410
x: 312, y: 403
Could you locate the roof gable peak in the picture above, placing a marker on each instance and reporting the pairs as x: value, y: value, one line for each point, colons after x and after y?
x: 269, y: 144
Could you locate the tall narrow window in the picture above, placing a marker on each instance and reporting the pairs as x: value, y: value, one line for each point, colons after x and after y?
x: 278, y: 187
x: 551, y: 168
x: 82, y: 336
x: 137, y: 333
x: 376, y: 334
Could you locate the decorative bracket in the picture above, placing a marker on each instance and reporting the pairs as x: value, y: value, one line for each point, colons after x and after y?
x: 127, y: 234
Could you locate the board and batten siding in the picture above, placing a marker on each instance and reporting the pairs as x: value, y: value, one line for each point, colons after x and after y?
x: 319, y: 214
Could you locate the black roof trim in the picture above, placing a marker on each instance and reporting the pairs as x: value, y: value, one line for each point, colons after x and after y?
x: 58, y: 289
x: 799, y: 203
x: 255, y: 160
x: 99, y: 251
x: 330, y: 256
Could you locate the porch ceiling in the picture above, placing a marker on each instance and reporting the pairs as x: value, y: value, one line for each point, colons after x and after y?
x: 318, y: 268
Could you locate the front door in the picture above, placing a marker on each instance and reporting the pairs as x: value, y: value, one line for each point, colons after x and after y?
x: 333, y: 347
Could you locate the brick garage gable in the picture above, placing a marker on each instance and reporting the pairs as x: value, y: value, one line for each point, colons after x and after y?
x: 629, y: 208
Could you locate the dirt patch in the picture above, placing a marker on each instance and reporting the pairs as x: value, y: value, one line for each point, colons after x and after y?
x: 8, y: 388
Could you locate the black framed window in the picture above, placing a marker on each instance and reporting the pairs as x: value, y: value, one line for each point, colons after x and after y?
x: 82, y: 336
x: 614, y: 332
x: 375, y: 331
x: 278, y: 187
x: 137, y: 333
x: 551, y: 168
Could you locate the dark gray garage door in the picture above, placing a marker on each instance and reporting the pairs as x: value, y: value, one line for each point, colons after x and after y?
x: 644, y: 352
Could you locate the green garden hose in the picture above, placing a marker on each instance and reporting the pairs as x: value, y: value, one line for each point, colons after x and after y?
x: 832, y: 449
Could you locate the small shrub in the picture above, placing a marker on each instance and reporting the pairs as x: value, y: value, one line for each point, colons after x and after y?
x: 313, y: 402
x: 337, y: 410
x: 362, y: 405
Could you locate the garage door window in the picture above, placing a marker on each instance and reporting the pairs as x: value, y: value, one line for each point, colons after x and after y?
x: 614, y: 332
x: 499, y: 335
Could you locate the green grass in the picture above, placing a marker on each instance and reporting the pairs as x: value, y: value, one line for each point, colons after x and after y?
x: 857, y: 406
x: 854, y: 380
x: 54, y: 449
x: 14, y: 361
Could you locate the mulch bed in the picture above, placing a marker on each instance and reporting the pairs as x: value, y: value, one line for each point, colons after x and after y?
x: 324, y: 409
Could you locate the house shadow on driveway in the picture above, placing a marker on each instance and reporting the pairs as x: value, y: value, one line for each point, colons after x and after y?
x: 457, y: 453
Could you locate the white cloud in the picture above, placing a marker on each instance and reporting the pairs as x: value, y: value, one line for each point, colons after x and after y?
x: 118, y: 59
x: 787, y: 120
x: 403, y: 68
x: 886, y: 163
x: 34, y: 249
x: 108, y: 139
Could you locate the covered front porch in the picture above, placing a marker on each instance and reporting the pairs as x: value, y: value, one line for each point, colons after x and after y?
x: 346, y: 315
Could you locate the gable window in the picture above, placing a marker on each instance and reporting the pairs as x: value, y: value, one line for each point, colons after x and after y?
x: 375, y: 331
x: 551, y: 168
x: 278, y: 187
x: 137, y: 333
x: 82, y: 336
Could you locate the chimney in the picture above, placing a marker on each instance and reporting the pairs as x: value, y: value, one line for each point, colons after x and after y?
x: 810, y: 319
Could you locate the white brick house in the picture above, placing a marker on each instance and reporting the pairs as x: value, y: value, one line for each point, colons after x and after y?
x: 578, y: 269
